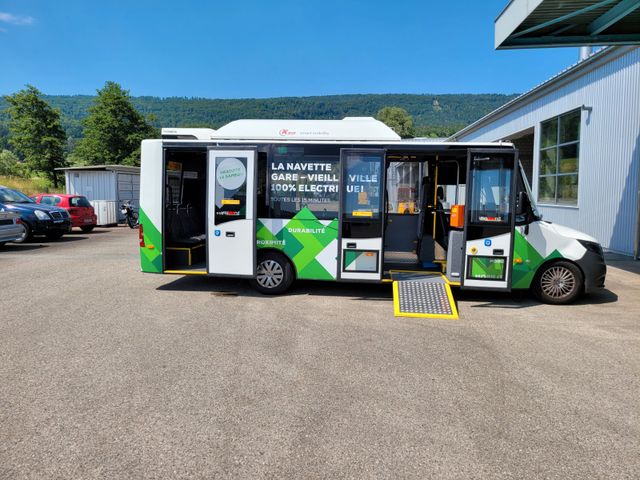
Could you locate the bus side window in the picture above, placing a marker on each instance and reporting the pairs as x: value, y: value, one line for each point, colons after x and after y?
x: 403, y: 187
x: 304, y: 177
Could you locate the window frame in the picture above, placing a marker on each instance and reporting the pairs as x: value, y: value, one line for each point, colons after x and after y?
x: 556, y: 147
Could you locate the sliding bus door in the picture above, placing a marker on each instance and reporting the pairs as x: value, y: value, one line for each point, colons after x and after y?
x: 231, y: 212
x: 361, y: 214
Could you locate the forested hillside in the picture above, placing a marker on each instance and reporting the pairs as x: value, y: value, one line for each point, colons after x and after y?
x: 432, y: 114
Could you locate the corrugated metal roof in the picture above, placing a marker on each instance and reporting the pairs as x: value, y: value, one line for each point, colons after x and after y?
x: 111, y: 168
x: 539, y: 23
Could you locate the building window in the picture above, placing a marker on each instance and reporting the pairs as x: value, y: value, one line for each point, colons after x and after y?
x: 559, y: 154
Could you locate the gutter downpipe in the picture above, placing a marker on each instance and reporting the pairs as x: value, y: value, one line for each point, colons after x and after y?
x: 585, y: 52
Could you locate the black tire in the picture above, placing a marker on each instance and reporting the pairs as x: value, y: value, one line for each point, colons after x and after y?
x: 87, y: 228
x: 274, y: 274
x: 54, y: 235
x: 558, y: 283
x: 2, y: 244
x: 132, y: 220
x: 28, y: 235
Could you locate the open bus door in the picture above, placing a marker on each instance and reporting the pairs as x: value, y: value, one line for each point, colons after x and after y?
x: 489, y: 219
x: 231, y: 211
x: 361, y: 227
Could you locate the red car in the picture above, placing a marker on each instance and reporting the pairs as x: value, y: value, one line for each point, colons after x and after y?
x: 80, y: 210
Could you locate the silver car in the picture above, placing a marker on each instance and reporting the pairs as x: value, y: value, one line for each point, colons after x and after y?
x: 11, y: 228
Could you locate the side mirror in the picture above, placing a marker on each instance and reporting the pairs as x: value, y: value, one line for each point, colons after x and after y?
x: 521, y: 205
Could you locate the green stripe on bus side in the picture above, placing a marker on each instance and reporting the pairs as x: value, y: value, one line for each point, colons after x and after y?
x: 151, y: 253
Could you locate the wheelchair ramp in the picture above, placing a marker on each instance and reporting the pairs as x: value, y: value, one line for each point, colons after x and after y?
x: 424, y: 297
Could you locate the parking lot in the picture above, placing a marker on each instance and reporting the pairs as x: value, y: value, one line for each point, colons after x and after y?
x: 106, y: 372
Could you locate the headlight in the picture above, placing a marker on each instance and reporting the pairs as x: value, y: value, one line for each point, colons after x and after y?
x: 41, y: 215
x: 592, y: 247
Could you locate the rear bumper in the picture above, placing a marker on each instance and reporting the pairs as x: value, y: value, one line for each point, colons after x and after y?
x: 80, y: 221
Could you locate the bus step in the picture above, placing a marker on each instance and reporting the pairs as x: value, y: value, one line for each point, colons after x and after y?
x: 424, y: 298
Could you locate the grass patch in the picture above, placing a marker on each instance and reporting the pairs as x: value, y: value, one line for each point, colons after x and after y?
x: 30, y: 186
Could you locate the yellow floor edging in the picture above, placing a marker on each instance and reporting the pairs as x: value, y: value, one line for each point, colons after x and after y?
x: 186, y: 272
x: 396, y: 306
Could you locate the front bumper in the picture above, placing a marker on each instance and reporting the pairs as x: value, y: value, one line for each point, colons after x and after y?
x: 595, y: 271
x: 42, y: 227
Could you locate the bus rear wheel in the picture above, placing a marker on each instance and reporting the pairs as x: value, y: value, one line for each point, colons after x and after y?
x: 274, y: 274
x: 558, y: 283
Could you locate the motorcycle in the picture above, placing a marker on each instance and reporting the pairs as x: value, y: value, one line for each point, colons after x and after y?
x: 131, y: 216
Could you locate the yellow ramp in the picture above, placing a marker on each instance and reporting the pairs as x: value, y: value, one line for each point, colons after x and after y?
x: 428, y: 297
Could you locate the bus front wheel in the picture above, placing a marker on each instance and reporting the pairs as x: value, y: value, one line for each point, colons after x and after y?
x: 274, y: 274
x: 558, y: 283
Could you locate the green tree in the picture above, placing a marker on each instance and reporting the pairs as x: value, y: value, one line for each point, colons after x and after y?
x: 113, y: 130
x: 10, y: 165
x: 398, y: 119
x: 36, y: 132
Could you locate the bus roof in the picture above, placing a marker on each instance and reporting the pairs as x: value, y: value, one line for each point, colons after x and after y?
x: 349, y: 128
x: 394, y: 145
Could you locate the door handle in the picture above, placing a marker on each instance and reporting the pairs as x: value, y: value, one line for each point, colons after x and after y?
x: 230, y: 234
x: 351, y: 245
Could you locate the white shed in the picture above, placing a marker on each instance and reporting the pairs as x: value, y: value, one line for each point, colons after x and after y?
x: 112, y: 184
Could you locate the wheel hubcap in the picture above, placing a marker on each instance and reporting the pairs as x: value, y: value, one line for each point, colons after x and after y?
x: 270, y: 274
x: 557, y: 282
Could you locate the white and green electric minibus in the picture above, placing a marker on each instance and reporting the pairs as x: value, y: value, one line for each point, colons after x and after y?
x: 348, y: 200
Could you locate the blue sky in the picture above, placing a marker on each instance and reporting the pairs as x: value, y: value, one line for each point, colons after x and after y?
x: 236, y: 48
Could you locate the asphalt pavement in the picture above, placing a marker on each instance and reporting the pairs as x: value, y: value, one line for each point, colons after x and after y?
x: 106, y: 372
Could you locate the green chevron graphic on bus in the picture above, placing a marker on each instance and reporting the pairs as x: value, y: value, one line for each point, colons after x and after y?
x: 310, y: 243
x: 151, y: 253
x: 488, y: 268
x: 526, y: 260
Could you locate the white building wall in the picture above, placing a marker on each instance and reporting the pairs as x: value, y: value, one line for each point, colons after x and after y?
x: 608, y: 191
x: 95, y: 185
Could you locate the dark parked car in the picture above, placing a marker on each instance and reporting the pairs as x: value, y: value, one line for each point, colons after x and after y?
x: 36, y: 219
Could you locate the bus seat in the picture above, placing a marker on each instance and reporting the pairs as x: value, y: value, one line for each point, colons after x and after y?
x: 185, y: 225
